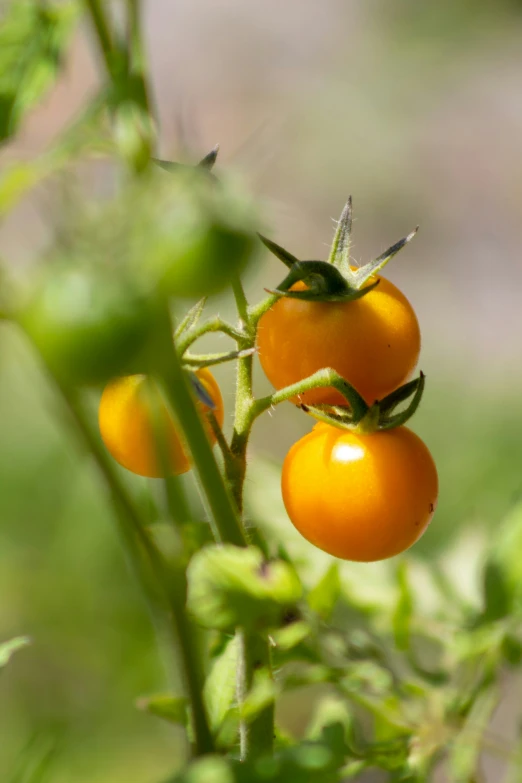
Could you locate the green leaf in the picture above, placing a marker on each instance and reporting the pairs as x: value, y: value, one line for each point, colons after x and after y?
x: 403, y: 610
x: 33, y: 39
x: 323, y: 597
x: 497, y: 595
x: 7, y: 649
x: 232, y: 586
x: 291, y: 635
x: 331, y: 711
x: 219, y: 691
x: 171, y: 708
x: 210, y: 769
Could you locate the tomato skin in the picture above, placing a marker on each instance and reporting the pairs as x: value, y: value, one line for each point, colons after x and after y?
x: 360, y: 497
x: 126, y: 425
x: 373, y: 342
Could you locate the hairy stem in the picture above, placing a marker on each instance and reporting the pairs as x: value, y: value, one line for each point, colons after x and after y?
x: 256, y: 738
x: 216, y: 324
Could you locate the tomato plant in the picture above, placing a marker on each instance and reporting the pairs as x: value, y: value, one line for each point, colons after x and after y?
x: 360, y: 496
x: 234, y: 599
x: 126, y: 420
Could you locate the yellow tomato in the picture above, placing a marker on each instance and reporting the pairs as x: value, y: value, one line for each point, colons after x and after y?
x: 360, y: 497
x: 126, y: 424
x: 372, y: 342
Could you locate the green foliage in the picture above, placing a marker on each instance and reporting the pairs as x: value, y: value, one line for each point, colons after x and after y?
x: 33, y: 40
x: 323, y: 597
x: 230, y: 587
x: 171, y: 708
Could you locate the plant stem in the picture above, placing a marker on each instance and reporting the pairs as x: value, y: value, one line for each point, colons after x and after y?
x: 320, y: 379
x: 216, y: 324
x: 260, y: 309
x: 224, y: 517
x: 256, y: 738
x: 241, y: 302
x: 132, y: 528
x: 103, y: 32
x: 136, y: 53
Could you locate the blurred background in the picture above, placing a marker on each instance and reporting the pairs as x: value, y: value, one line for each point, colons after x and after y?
x: 416, y: 110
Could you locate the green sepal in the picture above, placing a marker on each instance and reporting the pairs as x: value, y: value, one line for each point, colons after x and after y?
x: 279, y: 252
x: 340, y: 251
x: 209, y: 160
x: 206, y: 163
x: 388, y: 404
x: 398, y: 419
x: 363, y: 274
x: 343, y: 284
x: 230, y: 587
x: 325, y: 283
x: 377, y: 417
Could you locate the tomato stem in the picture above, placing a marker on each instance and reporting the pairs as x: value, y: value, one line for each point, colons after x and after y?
x: 211, y: 359
x: 216, y: 324
x: 226, y: 523
x: 150, y: 570
x: 257, y: 737
x: 319, y: 380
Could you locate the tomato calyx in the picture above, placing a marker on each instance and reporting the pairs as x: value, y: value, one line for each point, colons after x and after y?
x: 380, y: 416
x: 324, y: 283
x: 333, y: 280
x: 206, y: 163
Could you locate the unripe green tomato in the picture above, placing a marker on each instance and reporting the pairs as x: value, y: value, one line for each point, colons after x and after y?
x: 199, y: 236
x: 207, y: 259
x: 87, y: 326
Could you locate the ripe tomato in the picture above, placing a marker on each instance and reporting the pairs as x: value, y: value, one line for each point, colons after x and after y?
x: 126, y: 425
x: 360, y: 497
x: 373, y: 342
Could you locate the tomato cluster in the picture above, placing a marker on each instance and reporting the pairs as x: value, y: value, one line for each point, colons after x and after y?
x: 360, y: 493
x: 359, y: 486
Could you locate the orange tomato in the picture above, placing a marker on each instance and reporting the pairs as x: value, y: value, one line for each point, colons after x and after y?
x: 360, y: 497
x: 372, y: 342
x: 126, y: 424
